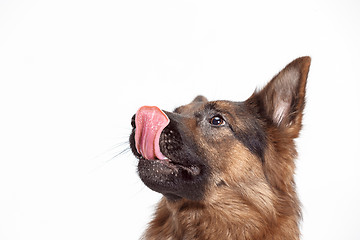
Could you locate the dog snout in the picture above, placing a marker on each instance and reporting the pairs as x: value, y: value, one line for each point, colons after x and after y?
x: 133, y: 121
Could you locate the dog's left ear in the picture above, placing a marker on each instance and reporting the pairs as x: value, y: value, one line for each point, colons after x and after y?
x: 200, y: 98
x: 282, y: 100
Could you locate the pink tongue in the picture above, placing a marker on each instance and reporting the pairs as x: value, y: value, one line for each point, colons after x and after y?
x: 149, y: 121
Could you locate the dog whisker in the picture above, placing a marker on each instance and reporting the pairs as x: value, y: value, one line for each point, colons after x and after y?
x: 122, y: 152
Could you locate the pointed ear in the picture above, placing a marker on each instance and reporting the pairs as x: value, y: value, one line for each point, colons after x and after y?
x: 282, y: 100
x: 200, y: 98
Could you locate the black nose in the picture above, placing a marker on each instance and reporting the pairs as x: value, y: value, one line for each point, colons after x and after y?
x: 133, y: 121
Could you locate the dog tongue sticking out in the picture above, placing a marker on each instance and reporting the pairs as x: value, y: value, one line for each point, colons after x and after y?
x: 150, y: 122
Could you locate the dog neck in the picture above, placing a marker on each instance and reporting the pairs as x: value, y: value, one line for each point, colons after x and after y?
x: 183, y: 219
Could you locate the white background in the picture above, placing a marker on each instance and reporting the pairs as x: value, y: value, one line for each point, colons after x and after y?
x: 73, y: 72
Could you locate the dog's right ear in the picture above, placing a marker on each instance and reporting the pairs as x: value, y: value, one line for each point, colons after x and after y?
x: 282, y: 100
x: 200, y: 98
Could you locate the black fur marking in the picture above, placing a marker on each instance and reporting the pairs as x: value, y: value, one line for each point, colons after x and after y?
x: 253, y: 136
x: 254, y: 139
x: 221, y: 183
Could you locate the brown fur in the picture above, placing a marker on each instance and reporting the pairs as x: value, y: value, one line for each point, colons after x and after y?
x: 244, y: 198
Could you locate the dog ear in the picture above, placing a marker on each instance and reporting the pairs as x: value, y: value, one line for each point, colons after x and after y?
x: 282, y: 100
x: 200, y: 98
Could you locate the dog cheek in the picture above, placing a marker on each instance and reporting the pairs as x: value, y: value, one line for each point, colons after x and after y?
x: 217, y: 151
x: 237, y: 163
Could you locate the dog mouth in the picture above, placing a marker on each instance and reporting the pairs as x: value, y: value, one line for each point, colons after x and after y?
x: 169, y: 167
x: 153, y: 148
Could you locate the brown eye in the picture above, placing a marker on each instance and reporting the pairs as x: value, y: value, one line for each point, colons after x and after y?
x: 217, y: 121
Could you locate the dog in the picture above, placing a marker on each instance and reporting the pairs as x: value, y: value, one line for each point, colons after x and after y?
x: 225, y: 169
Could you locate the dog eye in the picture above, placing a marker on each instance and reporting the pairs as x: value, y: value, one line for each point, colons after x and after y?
x: 217, y: 121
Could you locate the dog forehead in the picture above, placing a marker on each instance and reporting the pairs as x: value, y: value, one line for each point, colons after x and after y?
x: 190, y: 109
x: 222, y: 106
x: 234, y: 110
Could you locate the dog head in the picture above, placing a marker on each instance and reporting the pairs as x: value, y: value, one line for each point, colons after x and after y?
x: 206, y: 147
